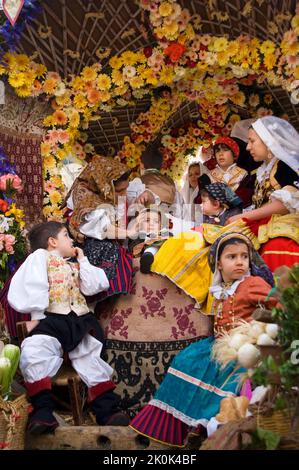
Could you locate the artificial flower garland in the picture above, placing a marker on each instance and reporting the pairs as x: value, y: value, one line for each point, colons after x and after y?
x: 203, y: 68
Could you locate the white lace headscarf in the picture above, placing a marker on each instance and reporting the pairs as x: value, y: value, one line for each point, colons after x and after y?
x: 240, y: 129
x: 281, y: 138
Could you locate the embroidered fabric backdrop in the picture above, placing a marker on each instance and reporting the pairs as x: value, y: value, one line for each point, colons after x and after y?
x: 144, y: 331
x: 20, y: 135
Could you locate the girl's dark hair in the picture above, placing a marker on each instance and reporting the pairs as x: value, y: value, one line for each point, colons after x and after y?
x: 222, y: 147
x: 123, y: 177
x: 231, y: 241
x: 40, y: 234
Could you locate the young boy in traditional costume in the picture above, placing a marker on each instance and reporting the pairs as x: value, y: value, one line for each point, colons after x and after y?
x: 51, y: 287
x: 226, y: 151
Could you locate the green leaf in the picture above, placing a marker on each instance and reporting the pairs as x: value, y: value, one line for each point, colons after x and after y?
x: 270, y: 438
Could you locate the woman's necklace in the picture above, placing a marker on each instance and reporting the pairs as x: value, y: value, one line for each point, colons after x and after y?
x: 263, y: 189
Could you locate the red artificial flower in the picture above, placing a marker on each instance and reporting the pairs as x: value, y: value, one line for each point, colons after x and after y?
x: 3, y: 205
x: 175, y: 51
x: 147, y: 51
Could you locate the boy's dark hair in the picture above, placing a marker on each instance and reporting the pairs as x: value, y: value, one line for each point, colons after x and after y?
x: 152, y: 158
x: 231, y: 241
x: 40, y: 234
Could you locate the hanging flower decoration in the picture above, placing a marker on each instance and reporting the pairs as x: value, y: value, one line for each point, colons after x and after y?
x: 12, y: 241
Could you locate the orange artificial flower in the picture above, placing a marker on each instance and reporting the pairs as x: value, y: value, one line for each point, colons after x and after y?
x: 175, y: 51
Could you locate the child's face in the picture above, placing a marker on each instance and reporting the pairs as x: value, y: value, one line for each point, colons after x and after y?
x: 150, y: 222
x: 209, y: 207
x: 194, y: 174
x: 62, y: 243
x: 224, y: 156
x: 234, y: 262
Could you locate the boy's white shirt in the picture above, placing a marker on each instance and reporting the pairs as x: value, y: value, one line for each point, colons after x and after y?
x: 29, y: 287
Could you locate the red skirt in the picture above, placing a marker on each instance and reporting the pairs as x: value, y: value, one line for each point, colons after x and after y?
x: 279, y: 251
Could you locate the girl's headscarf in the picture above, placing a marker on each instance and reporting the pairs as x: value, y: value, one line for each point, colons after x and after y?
x: 188, y: 193
x: 257, y: 266
x: 93, y: 187
x: 281, y: 138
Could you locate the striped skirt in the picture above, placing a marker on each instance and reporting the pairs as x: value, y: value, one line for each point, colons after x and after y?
x: 189, y: 396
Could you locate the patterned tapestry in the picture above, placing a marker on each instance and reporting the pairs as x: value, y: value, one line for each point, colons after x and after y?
x: 144, y: 331
x: 20, y: 135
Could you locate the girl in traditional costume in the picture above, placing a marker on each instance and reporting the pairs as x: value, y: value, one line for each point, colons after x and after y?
x: 195, y: 384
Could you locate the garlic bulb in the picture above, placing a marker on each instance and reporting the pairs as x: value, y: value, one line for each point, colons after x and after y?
x: 257, y: 328
x: 265, y: 340
x: 272, y: 330
x: 238, y: 340
x: 248, y: 355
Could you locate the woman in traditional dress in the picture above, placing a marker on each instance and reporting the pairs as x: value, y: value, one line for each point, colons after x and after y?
x: 274, y: 217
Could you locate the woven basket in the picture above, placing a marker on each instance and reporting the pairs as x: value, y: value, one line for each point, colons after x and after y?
x: 279, y: 422
x: 13, y: 421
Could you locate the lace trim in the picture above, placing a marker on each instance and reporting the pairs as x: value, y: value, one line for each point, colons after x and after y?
x: 289, y: 199
x: 178, y: 414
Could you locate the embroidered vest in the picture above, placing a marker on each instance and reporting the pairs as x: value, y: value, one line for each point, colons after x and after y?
x: 236, y: 176
x: 64, y: 292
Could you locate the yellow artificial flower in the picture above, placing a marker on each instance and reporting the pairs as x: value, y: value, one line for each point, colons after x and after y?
x: 49, y: 162
x: 166, y: 75
x: 2, y: 70
x: 88, y: 74
x: 232, y: 48
x: 10, y: 60
x: 29, y: 77
x: 16, y: 79
x: 22, y: 62
x: 189, y: 32
x: 296, y: 73
x: 60, y: 154
x: 63, y: 100
x: 55, y: 197
x: 238, y: 99
x: 115, y: 63
x: 129, y: 58
x: 40, y: 70
x: 45, y: 148
x: 103, y: 82
x: 295, y: 24
x: 80, y: 101
x: 57, y: 180
x: 222, y: 58
x: 219, y: 45
x: 136, y: 82
x: 169, y: 30
x: 48, y: 121
x: 23, y: 91
x: 105, y: 96
x: 47, y: 211
x: 78, y: 84
x: 267, y: 47
x: 117, y: 78
x: 269, y: 61
x: 165, y: 9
